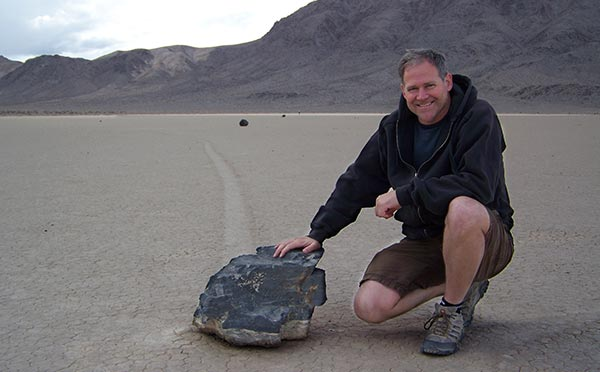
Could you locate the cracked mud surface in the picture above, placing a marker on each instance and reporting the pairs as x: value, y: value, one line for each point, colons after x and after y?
x: 110, y: 228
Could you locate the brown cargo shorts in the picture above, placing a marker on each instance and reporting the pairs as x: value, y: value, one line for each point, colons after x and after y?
x: 417, y: 264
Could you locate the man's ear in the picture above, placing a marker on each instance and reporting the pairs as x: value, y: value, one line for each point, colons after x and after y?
x: 448, y: 81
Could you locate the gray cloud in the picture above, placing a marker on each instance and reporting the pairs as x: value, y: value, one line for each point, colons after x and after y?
x: 31, y: 28
x: 91, y: 28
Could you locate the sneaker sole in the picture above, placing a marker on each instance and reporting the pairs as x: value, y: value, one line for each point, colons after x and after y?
x: 436, y: 348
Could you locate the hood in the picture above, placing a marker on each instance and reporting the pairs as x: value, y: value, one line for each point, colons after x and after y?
x: 463, y: 95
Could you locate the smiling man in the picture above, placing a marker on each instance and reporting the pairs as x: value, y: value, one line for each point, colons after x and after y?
x: 435, y: 165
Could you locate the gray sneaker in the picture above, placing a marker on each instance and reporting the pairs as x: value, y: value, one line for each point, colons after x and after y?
x: 474, y: 294
x: 446, y: 329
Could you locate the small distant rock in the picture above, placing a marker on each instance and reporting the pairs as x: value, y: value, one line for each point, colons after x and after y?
x: 258, y: 300
x: 244, y: 123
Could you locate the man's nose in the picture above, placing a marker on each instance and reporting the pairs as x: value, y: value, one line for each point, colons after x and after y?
x: 422, y: 93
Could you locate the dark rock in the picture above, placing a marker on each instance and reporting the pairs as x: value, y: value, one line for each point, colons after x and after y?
x: 259, y: 300
x: 243, y: 123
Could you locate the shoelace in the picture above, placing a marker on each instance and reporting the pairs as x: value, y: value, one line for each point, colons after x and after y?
x: 433, y: 318
x: 442, y: 328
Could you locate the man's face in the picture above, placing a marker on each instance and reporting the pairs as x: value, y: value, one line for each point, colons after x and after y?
x: 427, y: 95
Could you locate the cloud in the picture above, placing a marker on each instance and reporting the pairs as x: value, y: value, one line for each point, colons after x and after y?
x: 60, y: 18
x: 91, y: 28
x: 33, y: 28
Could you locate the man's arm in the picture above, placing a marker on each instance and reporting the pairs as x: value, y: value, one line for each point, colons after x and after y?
x: 355, y: 189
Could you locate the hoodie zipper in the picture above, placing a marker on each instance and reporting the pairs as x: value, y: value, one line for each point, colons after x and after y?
x: 453, y: 119
x: 437, y: 149
x: 457, y: 113
x: 416, y: 171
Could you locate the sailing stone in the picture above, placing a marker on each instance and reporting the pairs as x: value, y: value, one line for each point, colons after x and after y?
x: 259, y: 300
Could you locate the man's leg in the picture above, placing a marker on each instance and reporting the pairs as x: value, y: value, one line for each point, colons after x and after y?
x: 376, y: 303
x: 399, y: 278
x: 463, y: 246
x: 467, y: 222
x: 466, y: 226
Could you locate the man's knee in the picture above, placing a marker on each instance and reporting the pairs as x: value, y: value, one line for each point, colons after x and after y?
x: 373, y: 302
x: 465, y: 213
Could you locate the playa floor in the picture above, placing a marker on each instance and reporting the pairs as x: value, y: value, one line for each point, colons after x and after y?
x: 111, y: 227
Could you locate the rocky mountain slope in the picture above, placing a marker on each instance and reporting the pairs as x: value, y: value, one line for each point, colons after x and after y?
x: 6, y: 65
x: 338, y: 55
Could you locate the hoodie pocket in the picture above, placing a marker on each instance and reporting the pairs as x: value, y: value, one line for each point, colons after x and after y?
x: 409, y: 215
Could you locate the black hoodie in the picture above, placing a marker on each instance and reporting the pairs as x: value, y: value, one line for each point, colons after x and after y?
x: 467, y: 162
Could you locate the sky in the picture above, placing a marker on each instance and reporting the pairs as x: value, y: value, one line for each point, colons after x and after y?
x: 93, y: 28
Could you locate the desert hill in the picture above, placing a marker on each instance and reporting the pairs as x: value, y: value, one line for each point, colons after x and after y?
x: 337, y: 55
x: 6, y: 65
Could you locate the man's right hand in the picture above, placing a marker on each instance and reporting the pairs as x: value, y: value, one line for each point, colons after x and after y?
x: 305, y: 243
x: 386, y: 204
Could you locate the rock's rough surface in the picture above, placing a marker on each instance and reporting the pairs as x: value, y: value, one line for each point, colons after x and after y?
x: 259, y: 300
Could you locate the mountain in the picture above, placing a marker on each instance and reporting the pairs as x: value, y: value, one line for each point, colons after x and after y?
x: 6, y: 65
x: 339, y: 55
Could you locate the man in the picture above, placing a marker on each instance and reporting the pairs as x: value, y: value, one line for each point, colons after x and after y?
x: 436, y: 165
